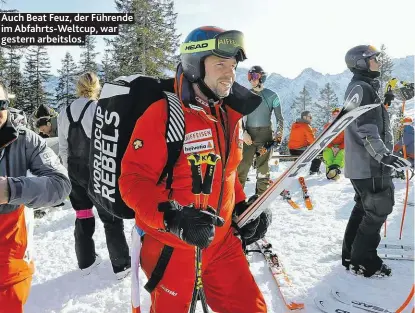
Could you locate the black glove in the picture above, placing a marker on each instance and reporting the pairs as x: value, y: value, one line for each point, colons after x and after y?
x: 255, y: 229
x: 389, y: 96
x: 395, y: 162
x: 194, y: 226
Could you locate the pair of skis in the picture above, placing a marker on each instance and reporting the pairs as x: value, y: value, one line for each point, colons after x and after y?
x: 396, y: 252
x: 278, y: 272
x: 340, y: 302
x: 307, y: 200
x: 348, y: 114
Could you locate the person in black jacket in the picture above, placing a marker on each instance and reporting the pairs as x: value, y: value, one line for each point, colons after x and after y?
x: 369, y: 165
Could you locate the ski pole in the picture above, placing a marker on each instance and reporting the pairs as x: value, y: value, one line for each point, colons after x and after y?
x: 212, y: 159
x: 405, y: 304
x: 406, y: 195
x: 195, y: 166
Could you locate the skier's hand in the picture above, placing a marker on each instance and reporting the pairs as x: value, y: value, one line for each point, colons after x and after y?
x: 257, y: 228
x: 194, y: 226
x: 4, y: 190
x: 247, y: 138
x: 262, y: 151
x: 389, y: 96
x: 395, y: 162
x: 278, y: 138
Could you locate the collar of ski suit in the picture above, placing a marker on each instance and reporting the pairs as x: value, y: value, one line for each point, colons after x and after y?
x: 241, y: 99
x: 8, y: 133
x: 301, y: 120
x: 366, y: 78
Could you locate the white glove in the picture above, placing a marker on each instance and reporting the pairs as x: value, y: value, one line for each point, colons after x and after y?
x: 247, y: 138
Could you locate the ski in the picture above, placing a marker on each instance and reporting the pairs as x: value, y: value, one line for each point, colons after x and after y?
x: 306, y: 196
x: 395, y: 246
x: 395, y: 256
x: 363, y: 305
x: 278, y: 272
x: 287, y: 197
x: 327, y: 305
x: 349, y: 113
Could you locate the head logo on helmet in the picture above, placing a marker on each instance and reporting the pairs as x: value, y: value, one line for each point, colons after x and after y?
x: 205, y: 41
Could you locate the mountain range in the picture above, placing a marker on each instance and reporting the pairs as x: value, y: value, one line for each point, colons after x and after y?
x: 288, y: 89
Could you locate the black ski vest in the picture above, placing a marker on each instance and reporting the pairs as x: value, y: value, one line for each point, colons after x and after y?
x: 78, y: 141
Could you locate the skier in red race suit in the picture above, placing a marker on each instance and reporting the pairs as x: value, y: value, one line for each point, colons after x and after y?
x: 206, y: 89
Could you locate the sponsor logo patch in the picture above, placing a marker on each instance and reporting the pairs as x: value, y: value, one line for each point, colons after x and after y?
x: 197, y: 135
x: 137, y: 144
x: 198, y: 146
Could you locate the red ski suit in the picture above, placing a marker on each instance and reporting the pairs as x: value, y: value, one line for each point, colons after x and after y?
x: 228, y: 283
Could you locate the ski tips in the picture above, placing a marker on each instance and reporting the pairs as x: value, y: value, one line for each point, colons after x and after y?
x: 295, y: 306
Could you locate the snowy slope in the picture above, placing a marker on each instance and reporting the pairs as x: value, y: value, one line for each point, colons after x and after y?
x: 309, y: 243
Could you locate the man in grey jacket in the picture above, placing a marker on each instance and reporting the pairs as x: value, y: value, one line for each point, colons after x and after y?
x: 369, y: 165
x: 22, y: 150
x: 258, y: 131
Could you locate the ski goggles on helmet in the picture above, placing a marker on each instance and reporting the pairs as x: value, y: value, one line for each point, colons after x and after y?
x: 253, y: 76
x: 4, y: 104
x: 226, y: 45
x: 372, y: 53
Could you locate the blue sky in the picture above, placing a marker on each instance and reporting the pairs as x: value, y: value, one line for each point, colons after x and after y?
x: 284, y: 36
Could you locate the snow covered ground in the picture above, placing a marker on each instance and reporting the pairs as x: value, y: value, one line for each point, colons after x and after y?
x: 309, y: 244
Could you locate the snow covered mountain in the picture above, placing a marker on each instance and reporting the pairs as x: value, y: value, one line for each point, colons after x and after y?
x: 314, y: 81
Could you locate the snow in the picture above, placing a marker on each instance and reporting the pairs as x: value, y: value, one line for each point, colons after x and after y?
x: 309, y: 244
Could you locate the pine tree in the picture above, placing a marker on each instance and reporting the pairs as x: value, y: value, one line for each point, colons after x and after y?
x: 36, y: 74
x: 65, y: 91
x: 301, y: 103
x: 2, y: 62
x: 148, y: 46
x: 13, y: 76
x: 87, y: 60
x: 327, y: 101
x: 108, y: 69
x: 386, y: 67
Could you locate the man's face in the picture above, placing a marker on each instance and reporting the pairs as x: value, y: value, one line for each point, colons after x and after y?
x: 220, y: 74
x: 46, y: 129
x: 374, y: 64
x: 3, y: 117
x: 254, y: 83
x: 308, y: 117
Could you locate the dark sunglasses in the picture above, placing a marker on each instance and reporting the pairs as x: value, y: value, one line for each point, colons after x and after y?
x: 376, y: 58
x: 4, y: 104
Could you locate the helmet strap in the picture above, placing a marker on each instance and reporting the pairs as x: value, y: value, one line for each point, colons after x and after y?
x: 259, y: 87
x: 207, y: 91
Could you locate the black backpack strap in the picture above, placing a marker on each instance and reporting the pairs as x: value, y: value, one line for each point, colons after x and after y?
x: 160, y: 268
x: 69, y: 114
x: 84, y: 110
x: 174, y: 136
